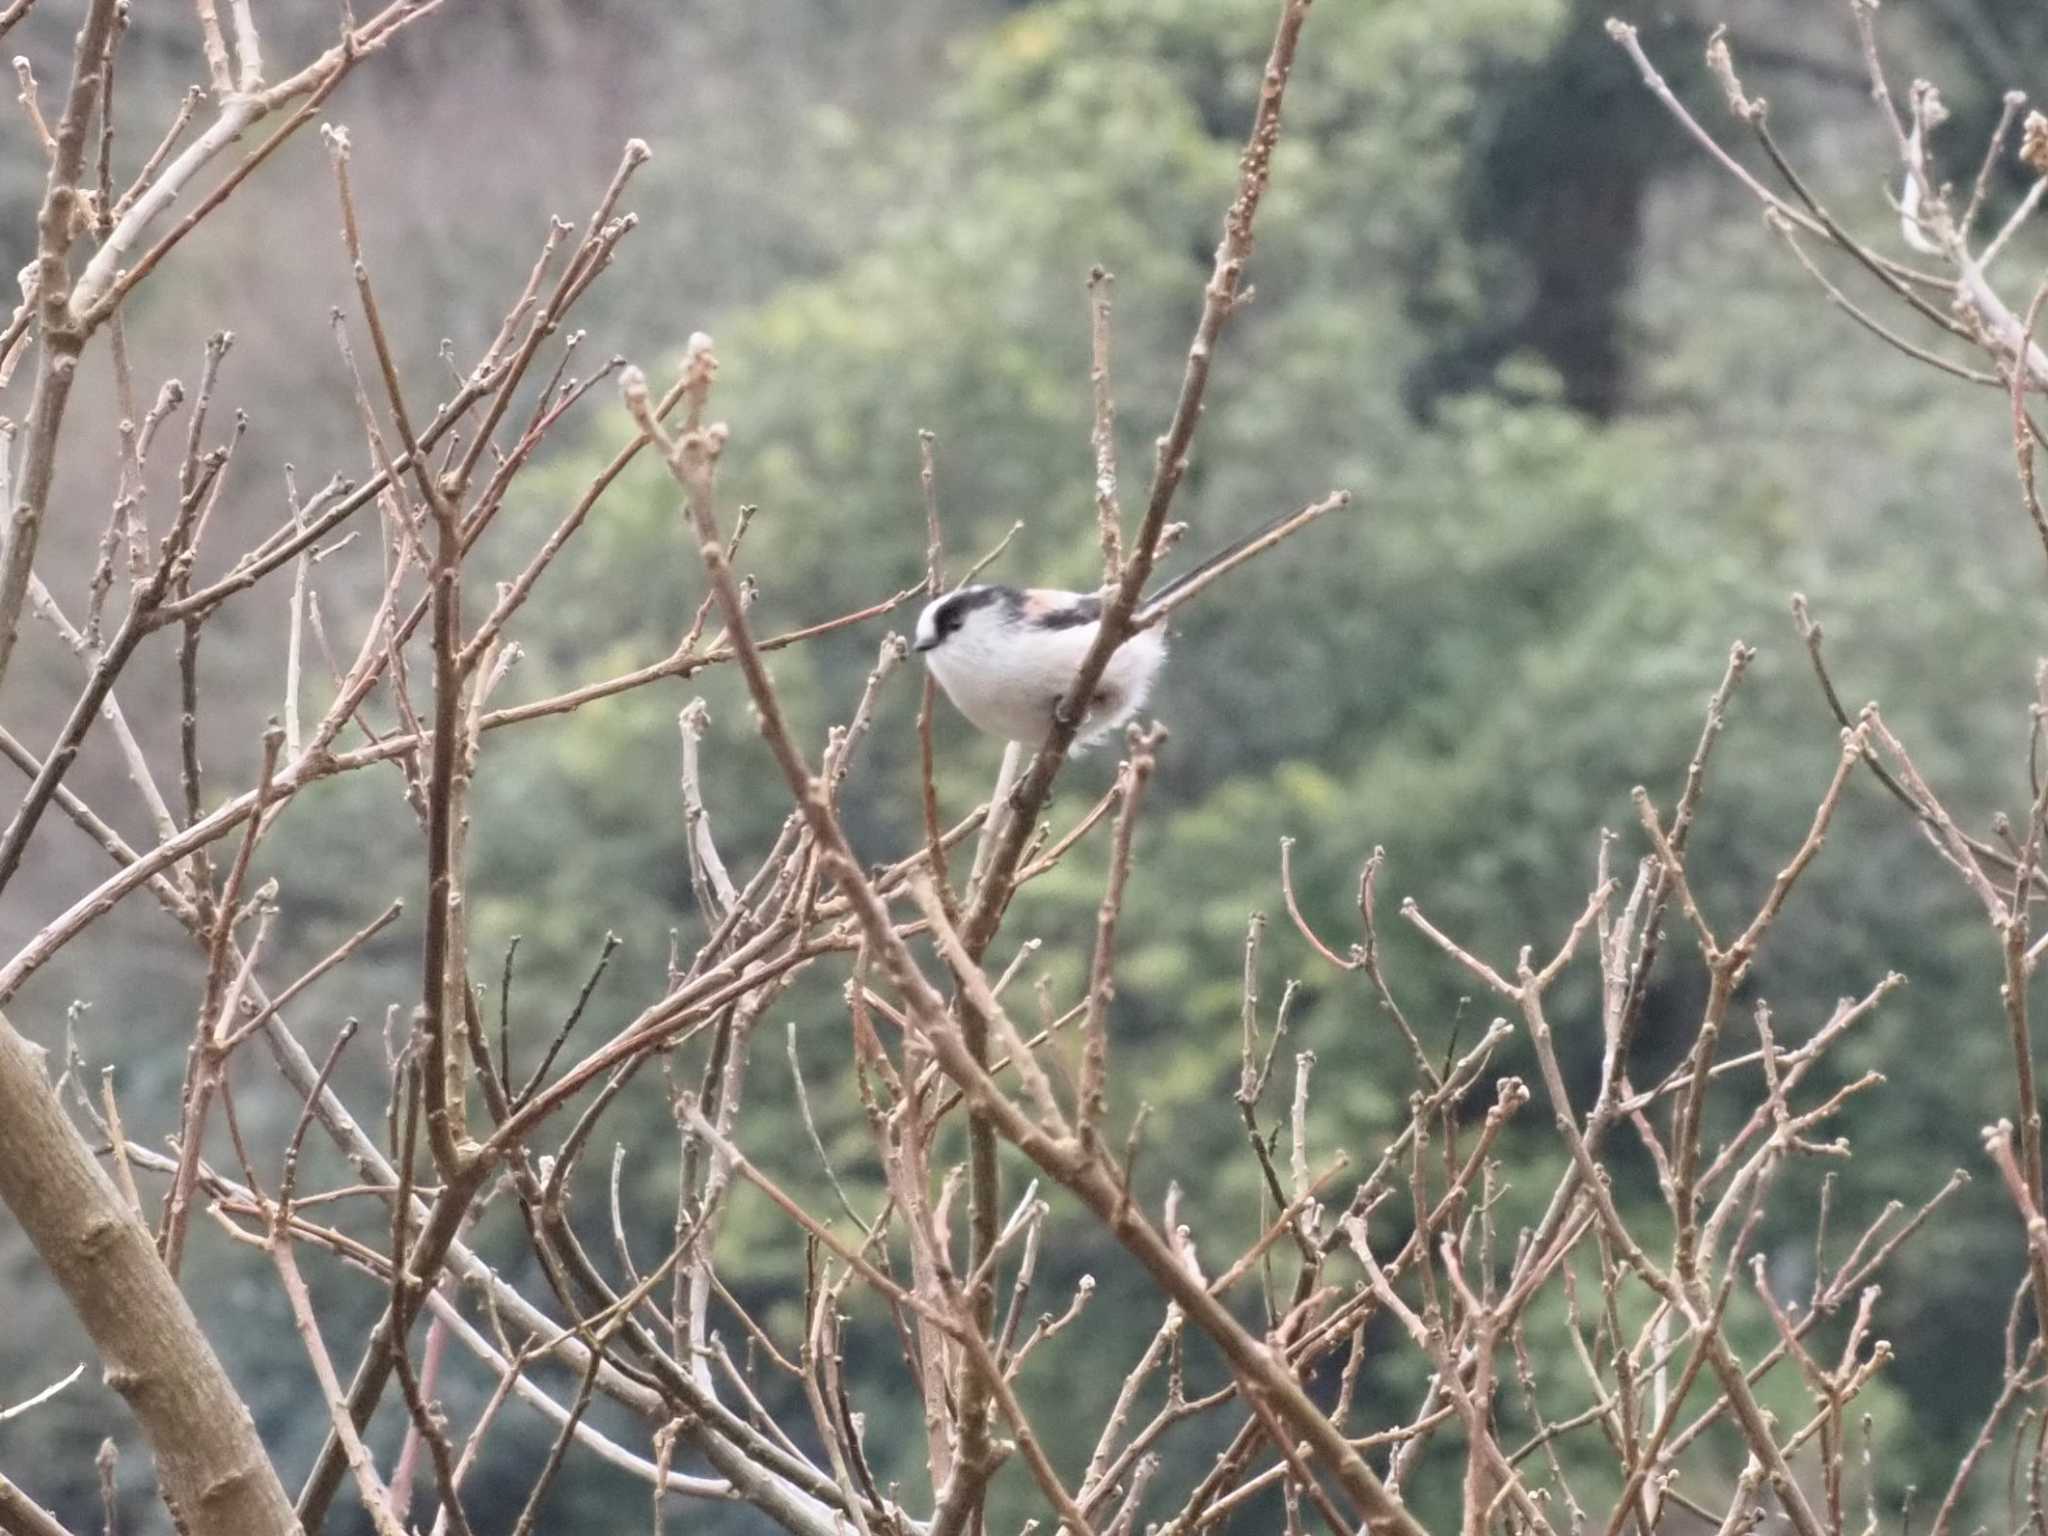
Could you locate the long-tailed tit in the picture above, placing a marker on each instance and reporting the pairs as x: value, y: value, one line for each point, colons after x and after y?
x: 1006, y: 656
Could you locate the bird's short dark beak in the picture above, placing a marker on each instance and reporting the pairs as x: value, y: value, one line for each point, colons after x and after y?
x: 925, y: 644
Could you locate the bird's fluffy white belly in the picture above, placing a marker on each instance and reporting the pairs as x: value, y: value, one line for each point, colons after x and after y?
x: 1009, y: 686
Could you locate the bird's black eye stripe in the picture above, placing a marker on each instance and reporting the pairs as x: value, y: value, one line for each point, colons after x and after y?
x: 952, y: 613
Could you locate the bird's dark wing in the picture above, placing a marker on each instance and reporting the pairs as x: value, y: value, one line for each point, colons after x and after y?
x: 1052, y: 609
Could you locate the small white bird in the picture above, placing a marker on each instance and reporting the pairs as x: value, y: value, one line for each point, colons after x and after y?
x: 1006, y: 656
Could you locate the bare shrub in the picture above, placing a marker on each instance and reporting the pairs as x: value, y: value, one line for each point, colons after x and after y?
x: 460, y: 1169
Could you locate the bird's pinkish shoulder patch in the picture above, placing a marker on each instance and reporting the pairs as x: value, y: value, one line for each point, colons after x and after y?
x: 1053, y: 609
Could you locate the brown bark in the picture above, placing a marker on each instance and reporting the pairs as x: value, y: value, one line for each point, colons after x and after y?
x: 210, y: 1463
x: 21, y: 1515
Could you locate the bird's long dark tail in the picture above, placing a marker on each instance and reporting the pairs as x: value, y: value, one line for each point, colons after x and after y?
x: 1257, y: 542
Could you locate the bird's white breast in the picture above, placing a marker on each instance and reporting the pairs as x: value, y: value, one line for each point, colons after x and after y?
x: 1007, y: 679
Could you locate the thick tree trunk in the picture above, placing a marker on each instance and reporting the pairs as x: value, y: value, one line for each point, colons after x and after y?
x: 210, y: 1463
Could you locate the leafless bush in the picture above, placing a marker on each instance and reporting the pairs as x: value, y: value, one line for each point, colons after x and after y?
x: 476, y: 1156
